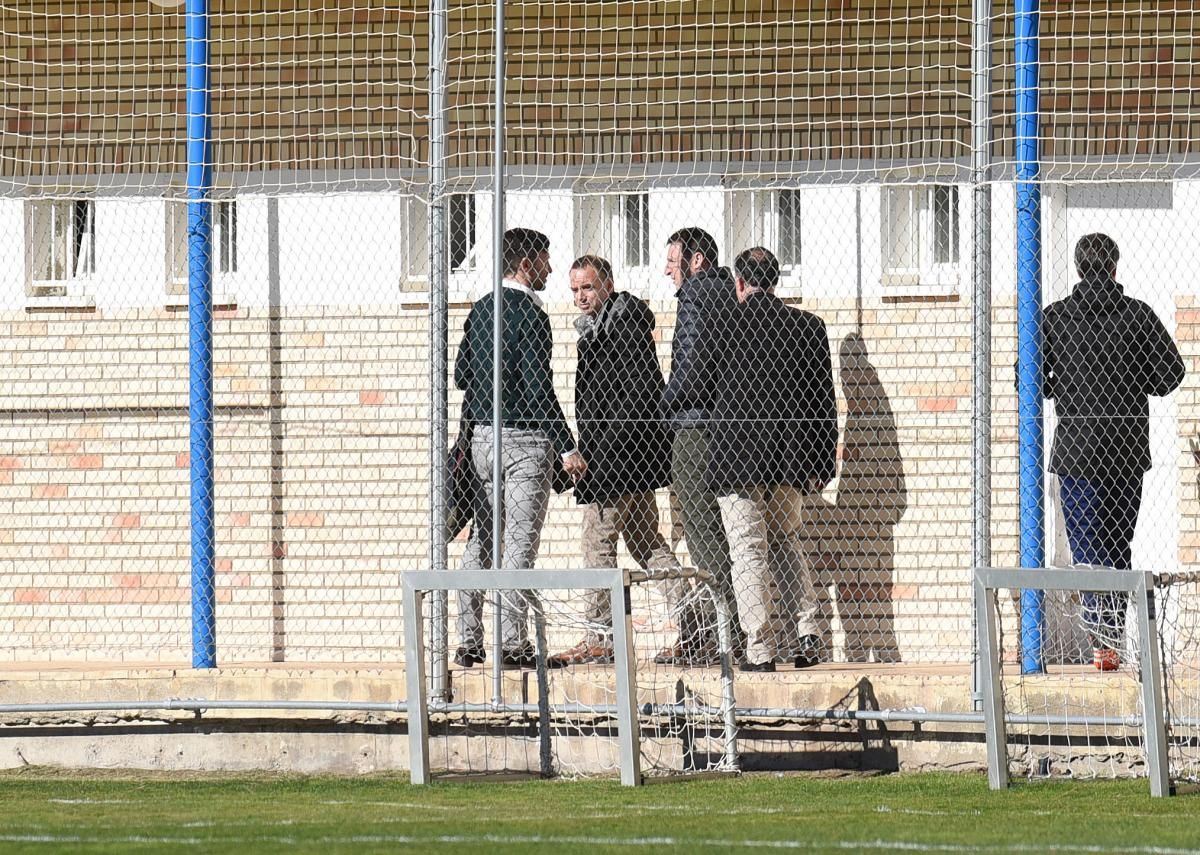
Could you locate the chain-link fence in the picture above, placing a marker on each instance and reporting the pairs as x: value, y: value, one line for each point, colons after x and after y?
x: 759, y: 262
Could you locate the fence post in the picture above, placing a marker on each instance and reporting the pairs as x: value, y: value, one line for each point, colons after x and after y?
x: 200, y: 336
x: 497, y: 345
x: 1029, y: 328
x: 981, y: 275
x: 438, y: 339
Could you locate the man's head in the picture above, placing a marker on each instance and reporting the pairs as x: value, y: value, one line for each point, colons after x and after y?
x: 1096, y: 255
x: 591, y: 283
x: 527, y: 257
x: 755, y: 269
x: 689, y: 251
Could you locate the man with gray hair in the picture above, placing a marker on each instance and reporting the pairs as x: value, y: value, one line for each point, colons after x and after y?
x: 1104, y: 354
x: 773, y: 439
x: 618, y: 402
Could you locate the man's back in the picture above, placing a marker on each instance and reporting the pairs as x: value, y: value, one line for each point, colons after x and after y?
x: 707, y: 301
x: 1105, y: 354
x: 774, y: 417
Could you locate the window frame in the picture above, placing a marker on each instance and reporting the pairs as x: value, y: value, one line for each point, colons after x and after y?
x: 226, y: 261
x: 605, y: 226
x: 929, y: 222
x: 766, y: 226
x: 78, y: 249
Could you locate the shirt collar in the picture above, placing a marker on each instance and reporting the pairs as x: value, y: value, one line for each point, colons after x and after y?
x: 486, y: 289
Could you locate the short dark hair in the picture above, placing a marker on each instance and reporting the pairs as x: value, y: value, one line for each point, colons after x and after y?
x: 601, y: 265
x: 758, y: 267
x: 520, y: 244
x: 694, y: 240
x: 1096, y: 254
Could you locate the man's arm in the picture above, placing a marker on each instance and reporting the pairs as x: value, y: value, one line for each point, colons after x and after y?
x: 534, y: 357
x: 687, y: 358
x: 462, y: 362
x: 1163, y: 364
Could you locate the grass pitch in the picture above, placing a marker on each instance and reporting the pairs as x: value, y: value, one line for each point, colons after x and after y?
x: 60, y: 812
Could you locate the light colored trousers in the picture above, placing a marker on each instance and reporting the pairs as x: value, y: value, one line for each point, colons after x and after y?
x: 633, y: 517
x: 772, y: 580
x: 527, y: 459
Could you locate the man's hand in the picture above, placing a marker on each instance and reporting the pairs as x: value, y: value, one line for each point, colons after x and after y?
x: 575, y: 465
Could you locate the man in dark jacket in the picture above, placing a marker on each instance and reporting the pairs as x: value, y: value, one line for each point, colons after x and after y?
x: 706, y: 303
x: 618, y: 401
x: 773, y: 439
x: 533, y: 430
x: 1104, y: 354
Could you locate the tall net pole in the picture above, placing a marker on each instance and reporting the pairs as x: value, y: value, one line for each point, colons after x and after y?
x: 200, y: 337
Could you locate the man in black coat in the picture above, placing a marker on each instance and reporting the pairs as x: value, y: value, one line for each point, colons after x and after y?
x: 618, y: 400
x: 707, y: 301
x: 1104, y: 355
x: 773, y: 432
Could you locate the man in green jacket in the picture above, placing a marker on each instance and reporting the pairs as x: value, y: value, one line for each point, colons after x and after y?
x: 532, y: 430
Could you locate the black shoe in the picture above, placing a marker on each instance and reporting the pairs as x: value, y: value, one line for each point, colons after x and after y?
x: 469, y: 657
x: 520, y: 657
x: 767, y: 667
x: 810, y: 652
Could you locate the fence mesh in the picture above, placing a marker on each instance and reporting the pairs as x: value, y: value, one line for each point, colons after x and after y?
x: 837, y: 137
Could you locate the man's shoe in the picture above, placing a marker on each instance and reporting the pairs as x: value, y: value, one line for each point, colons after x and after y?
x: 586, y: 652
x: 767, y: 667
x: 1106, y: 659
x: 810, y: 652
x: 672, y: 654
x: 521, y: 657
x: 469, y: 657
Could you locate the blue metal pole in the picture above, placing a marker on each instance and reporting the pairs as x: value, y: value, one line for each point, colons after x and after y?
x: 200, y: 339
x: 1029, y: 329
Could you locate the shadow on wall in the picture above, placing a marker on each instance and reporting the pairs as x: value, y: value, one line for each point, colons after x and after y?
x: 850, y: 541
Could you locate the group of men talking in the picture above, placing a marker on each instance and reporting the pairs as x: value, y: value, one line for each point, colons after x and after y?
x: 743, y: 427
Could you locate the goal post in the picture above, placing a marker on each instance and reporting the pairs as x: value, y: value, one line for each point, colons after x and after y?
x: 1140, y: 586
x: 626, y: 710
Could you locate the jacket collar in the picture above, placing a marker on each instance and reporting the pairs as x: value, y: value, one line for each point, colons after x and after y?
x: 485, y: 290
x: 592, y: 325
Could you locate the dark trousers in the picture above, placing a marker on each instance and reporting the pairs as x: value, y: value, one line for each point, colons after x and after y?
x: 702, y: 525
x: 1101, y: 516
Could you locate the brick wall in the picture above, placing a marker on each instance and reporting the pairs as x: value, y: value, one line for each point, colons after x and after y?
x: 321, y: 456
x: 96, y: 87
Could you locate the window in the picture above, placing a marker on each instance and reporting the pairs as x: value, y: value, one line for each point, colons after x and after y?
x: 62, y: 242
x: 462, y: 233
x: 768, y: 218
x: 635, y: 211
x: 614, y: 227
x: 415, y: 245
x: 921, y: 235
x: 224, y: 243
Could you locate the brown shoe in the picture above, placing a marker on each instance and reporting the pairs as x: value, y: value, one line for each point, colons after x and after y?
x: 672, y: 654
x: 586, y: 652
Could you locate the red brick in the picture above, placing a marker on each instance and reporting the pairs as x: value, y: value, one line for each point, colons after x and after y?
x: 183, y: 460
x: 11, y: 463
x: 937, y: 405
x: 30, y: 595
x: 306, y: 519
x: 87, y: 461
x: 50, y: 491
x: 127, y: 521
x: 371, y: 398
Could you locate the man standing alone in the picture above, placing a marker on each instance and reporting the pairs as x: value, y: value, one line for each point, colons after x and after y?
x: 532, y: 429
x: 1104, y: 354
x: 773, y: 440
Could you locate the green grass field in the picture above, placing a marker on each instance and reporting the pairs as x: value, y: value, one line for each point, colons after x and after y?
x: 45, y: 811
